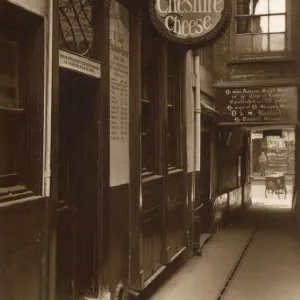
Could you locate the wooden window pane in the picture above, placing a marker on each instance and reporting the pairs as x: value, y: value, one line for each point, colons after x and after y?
x: 243, y: 25
x: 277, y: 42
x: 260, y: 43
x: 243, y: 7
x: 277, y: 6
x: 260, y: 24
x: 261, y: 7
x: 277, y: 23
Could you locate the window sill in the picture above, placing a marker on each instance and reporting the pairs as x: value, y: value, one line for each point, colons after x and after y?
x: 174, y: 171
x: 151, y: 178
x: 13, y: 193
x: 146, y: 174
x: 11, y: 110
x: 259, y: 59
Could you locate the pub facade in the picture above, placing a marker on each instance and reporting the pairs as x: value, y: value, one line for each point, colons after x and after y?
x: 125, y: 184
x: 119, y: 157
x: 116, y: 168
x: 25, y: 92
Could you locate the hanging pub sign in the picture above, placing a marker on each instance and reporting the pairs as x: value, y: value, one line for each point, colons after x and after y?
x: 191, y: 22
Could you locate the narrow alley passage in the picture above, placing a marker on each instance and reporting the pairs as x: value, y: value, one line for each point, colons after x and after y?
x: 257, y: 257
x: 270, y: 268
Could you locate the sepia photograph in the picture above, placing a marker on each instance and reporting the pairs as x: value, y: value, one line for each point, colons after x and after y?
x: 148, y: 150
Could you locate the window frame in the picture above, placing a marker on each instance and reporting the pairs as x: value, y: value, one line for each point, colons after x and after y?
x: 174, y: 139
x: 149, y: 103
x: 23, y: 175
x: 265, y: 55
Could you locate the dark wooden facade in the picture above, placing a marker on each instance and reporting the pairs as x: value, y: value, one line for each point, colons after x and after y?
x: 80, y: 169
x: 92, y: 238
x: 23, y: 205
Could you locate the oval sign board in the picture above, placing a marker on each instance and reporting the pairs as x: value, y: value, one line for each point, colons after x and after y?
x: 191, y: 22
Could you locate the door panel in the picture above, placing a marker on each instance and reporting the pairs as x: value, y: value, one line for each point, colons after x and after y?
x: 77, y: 215
x: 151, y: 227
x: 176, y: 213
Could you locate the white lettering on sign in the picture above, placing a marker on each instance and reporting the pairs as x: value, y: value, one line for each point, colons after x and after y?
x: 79, y: 64
x: 258, y: 105
x: 189, y: 6
x: 119, y: 94
x: 189, y: 18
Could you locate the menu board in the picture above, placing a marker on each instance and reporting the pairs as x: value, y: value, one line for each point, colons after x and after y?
x: 257, y: 105
x: 119, y: 94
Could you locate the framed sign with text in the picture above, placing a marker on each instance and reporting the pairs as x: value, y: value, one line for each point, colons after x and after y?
x: 191, y: 22
x: 257, y: 105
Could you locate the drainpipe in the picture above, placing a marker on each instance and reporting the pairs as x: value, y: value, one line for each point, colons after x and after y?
x: 197, y: 111
x: 51, y: 242
x: 48, y: 102
x: 197, y: 144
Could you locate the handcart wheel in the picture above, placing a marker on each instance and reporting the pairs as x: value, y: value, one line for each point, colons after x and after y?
x: 282, y: 191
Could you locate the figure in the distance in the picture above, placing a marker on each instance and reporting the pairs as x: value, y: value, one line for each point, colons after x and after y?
x: 263, y: 164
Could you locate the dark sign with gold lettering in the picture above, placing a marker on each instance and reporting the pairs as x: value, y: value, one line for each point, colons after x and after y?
x: 191, y: 22
x: 274, y: 105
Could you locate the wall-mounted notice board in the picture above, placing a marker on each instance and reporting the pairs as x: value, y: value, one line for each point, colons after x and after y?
x: 257, y: 105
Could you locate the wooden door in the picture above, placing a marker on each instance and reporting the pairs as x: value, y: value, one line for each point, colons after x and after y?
x: 77, y: 182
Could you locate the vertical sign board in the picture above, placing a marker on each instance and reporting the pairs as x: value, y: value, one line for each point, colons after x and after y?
x: 119, y: 94
x: 257, y: 105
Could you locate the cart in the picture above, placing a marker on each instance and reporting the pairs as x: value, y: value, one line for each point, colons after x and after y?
x: 275, y: 183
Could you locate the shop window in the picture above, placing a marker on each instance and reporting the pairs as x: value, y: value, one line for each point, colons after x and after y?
x: 260, y: 26
x: 148, y: 105
x: 174, y: 108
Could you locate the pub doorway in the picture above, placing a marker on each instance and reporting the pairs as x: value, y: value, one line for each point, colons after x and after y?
x: 77, y: 187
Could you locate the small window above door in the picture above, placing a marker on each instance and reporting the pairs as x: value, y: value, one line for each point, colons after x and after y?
x: 76, y: 26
